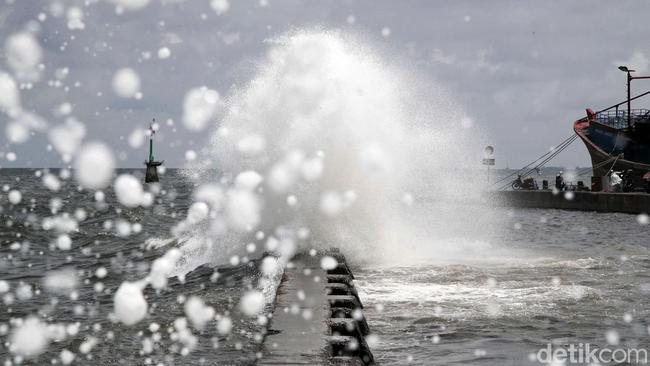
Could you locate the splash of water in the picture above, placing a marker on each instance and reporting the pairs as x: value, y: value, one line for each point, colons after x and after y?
x: 325, y: 147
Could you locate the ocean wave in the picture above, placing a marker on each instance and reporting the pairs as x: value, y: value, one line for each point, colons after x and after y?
x: 461, y: 300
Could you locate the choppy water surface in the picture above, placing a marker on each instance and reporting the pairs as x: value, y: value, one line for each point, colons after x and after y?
x: 28, y: 256
x: 550, y: 277
x: 463, y: 293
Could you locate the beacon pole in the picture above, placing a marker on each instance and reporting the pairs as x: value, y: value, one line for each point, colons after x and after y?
x: 488, y: 159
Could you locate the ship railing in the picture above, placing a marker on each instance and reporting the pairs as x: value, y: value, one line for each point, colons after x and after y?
x: 618, y: 118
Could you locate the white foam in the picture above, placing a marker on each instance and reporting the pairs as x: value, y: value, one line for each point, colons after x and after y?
x: 154, y: 243
x: 67, y: 137
x: 220, y: 6
x: 162, y: 267
x: 128, y: 190
x: 269, y: 266
x: 23, y: 54
x: 51, y: 182
x: 101, y: 272
x: 164, y: 53
x: 248, y: 180
x: 331, y: 203
x: 9, y: 95
x: 15, y: 196
x: 137, y: 138
x: 131, y: 4
x: 327, y: 123
x: 346, y: 136
x: 94, y: 165
x: 473, y: 300
x: 251, y: 145
x: 199, y: 107
x: 4, y: 286
x: 30, y: 338
x: 66, y: 357
x: 211, y: 194
x: 16, y: 132
x: 243, y: 209
x: 64, y: 242
x: 130, y: 306
x: 61, y: 281
x: 62, y: 223
x: 252, y: 303
x: 75, y: 18
x: 224, y: 325
x: 190, y: 155
x: 126, y: 83
x: 198, y: 313
x: 328, y: 263
x: 24, y: 292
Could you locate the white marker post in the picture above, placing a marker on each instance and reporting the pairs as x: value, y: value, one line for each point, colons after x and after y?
x: 488, y: 159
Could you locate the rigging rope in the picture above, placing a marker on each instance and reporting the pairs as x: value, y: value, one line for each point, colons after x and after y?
x: 614, y: 163
x: 559, y: 147
x: 553, y: 153
x: 602, y: 163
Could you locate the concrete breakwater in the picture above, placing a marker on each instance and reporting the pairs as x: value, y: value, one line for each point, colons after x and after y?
x: 633, y: 203
x: 317, y: 317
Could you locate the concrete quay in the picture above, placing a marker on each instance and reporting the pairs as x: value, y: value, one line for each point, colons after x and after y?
x: 632, y: 203
x: 317, y: 317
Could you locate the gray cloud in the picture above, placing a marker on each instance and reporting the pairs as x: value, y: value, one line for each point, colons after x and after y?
x: 522, y: 70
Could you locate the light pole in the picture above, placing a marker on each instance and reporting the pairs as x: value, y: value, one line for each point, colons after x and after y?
x: 627, y: 70
x: 629, y: 102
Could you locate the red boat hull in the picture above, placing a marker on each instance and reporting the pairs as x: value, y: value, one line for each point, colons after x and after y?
x: 599, y: 156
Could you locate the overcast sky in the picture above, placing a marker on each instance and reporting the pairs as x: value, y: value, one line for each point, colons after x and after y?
x: 523, y: 70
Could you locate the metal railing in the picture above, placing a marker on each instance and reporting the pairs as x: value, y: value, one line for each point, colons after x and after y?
x: 618, y: 118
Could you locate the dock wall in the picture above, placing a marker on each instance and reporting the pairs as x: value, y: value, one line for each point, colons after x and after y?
x: 633, y: 203
x: 317, y: 317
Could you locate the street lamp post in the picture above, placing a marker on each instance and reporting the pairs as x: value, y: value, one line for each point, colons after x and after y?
x: 629, y: 102
x: 627, y: 70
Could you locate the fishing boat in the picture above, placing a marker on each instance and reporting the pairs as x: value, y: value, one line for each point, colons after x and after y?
x: 618, y: 137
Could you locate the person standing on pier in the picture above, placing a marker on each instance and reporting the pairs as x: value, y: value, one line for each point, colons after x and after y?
x: 559, y: 181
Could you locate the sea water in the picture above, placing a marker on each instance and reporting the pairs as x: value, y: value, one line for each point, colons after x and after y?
x: 326, y: 146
